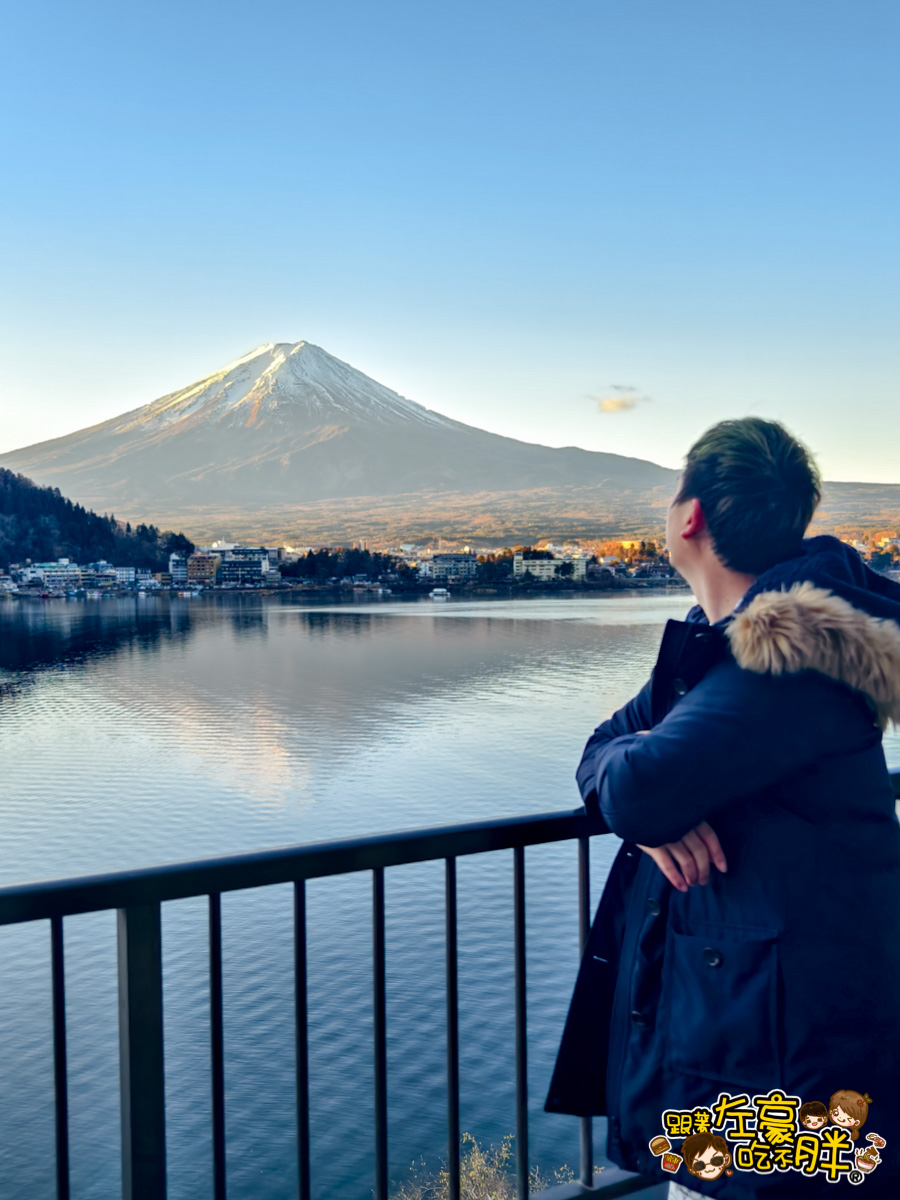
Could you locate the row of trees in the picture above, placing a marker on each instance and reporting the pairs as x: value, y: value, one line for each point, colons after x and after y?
x: 318, y: 566
x: 40, y: 524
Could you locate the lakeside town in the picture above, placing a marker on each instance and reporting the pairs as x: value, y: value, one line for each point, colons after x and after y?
x: 225, y: 566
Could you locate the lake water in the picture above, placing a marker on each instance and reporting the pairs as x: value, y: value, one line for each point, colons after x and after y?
x: 141, y: 731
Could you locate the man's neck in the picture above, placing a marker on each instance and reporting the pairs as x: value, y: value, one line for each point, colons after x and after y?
x: 719, y: 590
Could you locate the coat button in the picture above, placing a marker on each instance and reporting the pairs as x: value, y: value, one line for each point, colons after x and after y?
x: 712, y: 958
x: 680, y: 687
x: 653, y: 906
x: 639, y: 1019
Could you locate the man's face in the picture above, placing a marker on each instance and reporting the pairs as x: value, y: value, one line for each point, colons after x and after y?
x: 710, y: 1164
x: 813, y: 1122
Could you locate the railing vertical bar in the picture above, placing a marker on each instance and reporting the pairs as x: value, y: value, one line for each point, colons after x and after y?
x: 380, y: 1015
x: 60, y: 1077
x: 141, y: 1053
x: 586, y: 1155
x: 521, y: 1034
x: 301, y: 1040
x: 217, y: 1044
x: 452, y: 1032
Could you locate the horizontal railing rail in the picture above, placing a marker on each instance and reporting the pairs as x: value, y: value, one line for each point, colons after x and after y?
x: 314, y: 860
x: 136, y: 895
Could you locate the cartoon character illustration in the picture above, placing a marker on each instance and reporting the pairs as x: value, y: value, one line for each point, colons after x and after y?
x: 868, y: 1159
x: 659, y: 1145
x: 849, y: 1110
x: 813, y: 1115
x: 705, y: 1155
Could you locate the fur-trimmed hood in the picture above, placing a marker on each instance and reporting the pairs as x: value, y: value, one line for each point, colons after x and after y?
x: 824, y: 610
x: 811, y: 628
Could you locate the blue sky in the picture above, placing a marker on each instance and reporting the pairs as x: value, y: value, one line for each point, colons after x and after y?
x: 503, y: 211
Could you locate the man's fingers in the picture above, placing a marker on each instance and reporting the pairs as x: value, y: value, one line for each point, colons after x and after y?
x: 685, y: 860
x: 698, y: 849
x: 666, y: 864
x: 711, y: 842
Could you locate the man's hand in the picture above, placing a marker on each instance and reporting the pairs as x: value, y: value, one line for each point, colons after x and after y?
x: 687, y: 862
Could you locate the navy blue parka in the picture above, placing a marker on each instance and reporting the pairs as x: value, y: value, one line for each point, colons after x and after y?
x: 783, y: 972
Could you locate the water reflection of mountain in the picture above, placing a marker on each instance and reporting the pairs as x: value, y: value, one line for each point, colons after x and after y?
x: 277, y: 702
x: 339, y: 660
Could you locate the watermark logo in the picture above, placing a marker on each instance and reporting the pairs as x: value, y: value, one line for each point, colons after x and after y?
x: 772, y: 1132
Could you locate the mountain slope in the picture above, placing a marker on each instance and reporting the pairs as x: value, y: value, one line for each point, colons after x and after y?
x: 290, y: 442
x: 290, y: 424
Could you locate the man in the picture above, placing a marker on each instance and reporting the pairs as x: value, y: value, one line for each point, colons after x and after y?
x: 749, y: 784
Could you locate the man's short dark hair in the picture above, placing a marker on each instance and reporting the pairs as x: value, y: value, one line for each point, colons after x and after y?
x: 758, y: 488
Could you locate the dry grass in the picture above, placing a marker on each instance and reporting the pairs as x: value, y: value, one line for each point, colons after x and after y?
x: 485, y: 1174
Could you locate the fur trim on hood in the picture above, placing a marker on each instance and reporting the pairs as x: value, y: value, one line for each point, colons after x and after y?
x: 810, y: 628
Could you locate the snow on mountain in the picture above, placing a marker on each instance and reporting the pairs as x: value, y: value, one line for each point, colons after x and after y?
x: 281, y: 382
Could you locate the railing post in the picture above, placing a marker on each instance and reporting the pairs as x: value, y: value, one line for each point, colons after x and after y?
x: 380, y: 1021
x: 60, y: 1074
x: 452, y: 1032
x: 301, y: 1040
x: 141, y: 1053
x: 217, y: 1045
x: 521, y: 1028
x: 584, y: 928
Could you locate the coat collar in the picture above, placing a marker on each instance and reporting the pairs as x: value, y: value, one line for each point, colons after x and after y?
x: 822, y: 610
x: 804, y: 627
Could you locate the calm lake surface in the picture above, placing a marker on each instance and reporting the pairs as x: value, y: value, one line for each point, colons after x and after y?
x: 141, y: 731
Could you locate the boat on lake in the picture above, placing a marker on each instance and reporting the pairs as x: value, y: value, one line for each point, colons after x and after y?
x: 439, y: 594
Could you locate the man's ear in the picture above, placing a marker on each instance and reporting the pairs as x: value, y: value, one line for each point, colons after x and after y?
x: 727, y: 1160
x: 694, y: 520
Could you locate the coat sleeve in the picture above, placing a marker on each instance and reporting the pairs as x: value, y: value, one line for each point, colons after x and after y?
x: 634, y: 716
x: 733, y: 735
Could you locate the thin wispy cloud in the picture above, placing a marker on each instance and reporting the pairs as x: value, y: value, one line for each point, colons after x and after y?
x: 619, y: 397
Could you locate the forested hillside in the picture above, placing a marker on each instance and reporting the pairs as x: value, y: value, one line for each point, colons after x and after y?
x: 41, y: 524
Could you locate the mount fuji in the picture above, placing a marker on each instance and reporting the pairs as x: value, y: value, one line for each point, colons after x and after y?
x: 290, y: 442
x: 288, y: 432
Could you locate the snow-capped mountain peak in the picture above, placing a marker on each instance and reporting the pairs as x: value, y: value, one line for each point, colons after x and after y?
x: 282, y: 383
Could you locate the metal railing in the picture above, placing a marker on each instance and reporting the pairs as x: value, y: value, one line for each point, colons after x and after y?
x: 137, y: 895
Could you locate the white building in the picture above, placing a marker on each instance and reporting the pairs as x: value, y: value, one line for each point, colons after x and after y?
x: 538, y: 568
x: 454, y: 566
x: 125, y: 576
x: 547, y: 568
x: 178, y: 568
x: 56, y: 576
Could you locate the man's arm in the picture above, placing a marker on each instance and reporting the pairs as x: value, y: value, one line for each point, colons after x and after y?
x: 632, y: 718
x: 685, y: 862
x: 730, y: 737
